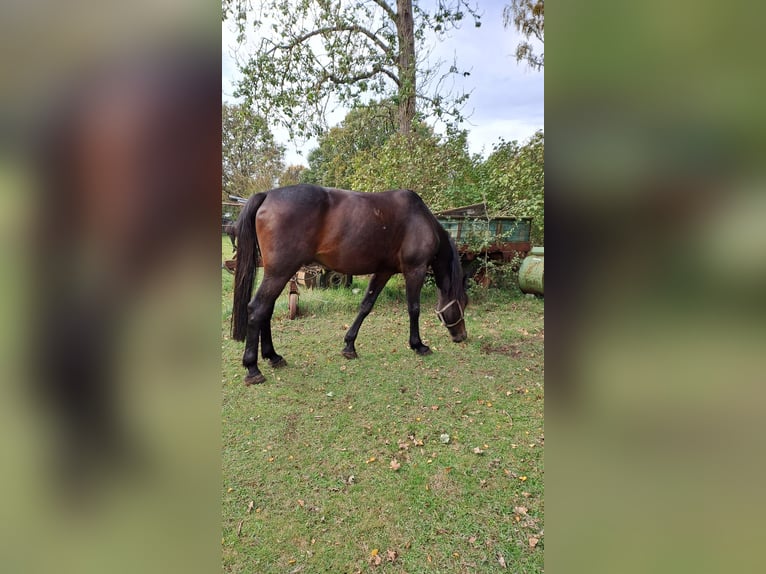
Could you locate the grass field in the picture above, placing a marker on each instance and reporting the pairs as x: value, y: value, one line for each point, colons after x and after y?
x: 391, y: 462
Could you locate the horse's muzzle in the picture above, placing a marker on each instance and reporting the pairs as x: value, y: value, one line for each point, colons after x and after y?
x: 460, y: 337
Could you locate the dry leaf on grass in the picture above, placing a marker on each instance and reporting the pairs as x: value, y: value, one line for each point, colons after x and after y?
x: 395, y: 465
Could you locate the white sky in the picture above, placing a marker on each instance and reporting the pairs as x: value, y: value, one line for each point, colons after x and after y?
x: 506, y: 98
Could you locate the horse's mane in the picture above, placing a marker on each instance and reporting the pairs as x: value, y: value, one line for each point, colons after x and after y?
x: 449, y: 255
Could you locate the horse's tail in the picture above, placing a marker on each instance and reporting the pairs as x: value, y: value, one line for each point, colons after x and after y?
x: 247, y: 251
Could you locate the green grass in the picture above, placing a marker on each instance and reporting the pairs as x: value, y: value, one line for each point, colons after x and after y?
x: 307, y: 481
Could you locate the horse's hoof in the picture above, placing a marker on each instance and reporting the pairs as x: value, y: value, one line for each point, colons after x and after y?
x: 424, y: 351
x: 278, y: 363
x: 350, y: 354
x: 255, y: 379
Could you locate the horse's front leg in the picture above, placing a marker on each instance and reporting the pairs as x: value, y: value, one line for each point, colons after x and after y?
x: 260, y: 310
x: 414, y: 283
x: 377, y: 282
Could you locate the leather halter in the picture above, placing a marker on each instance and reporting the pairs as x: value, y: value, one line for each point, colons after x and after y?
x: 440, y: 313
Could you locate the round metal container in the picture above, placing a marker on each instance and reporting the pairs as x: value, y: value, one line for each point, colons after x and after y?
x: 531, y: 272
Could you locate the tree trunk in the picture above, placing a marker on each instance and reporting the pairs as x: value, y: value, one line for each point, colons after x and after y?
x: 405, y: 28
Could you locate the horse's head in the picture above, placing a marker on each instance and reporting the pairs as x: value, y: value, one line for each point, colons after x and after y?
x: 451, y: 312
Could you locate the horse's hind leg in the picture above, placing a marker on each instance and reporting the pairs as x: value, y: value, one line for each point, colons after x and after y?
x: 267, y: 345
x: 260, y: 310
x: 377, y: 282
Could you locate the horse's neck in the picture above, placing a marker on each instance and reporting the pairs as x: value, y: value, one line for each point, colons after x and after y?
x: 442, y: 265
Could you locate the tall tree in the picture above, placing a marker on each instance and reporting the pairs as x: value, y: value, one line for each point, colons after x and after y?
x: 312, y: 51
x: 528, y: 17
x: 252, y: 161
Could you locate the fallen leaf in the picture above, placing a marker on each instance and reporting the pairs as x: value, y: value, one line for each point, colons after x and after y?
x: 444, y: 438
x: 533, y: 541
x: 477, y: 450
x: 471, y: 539
x: 520, y: 510
x: 523, y: 478
x: 374, y: 552
x: 301, y: 503
x: 391, y: 555
x: 501, y: 561
x: 395, y: 465
x: 371, y: 459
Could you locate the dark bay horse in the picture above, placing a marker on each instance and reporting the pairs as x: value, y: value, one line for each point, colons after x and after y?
x: 350, y: 232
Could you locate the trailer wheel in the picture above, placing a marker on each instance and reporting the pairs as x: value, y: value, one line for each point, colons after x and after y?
x: 335, y: 280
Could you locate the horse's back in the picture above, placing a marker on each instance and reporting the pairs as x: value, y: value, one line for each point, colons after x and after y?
x: 348, y: 231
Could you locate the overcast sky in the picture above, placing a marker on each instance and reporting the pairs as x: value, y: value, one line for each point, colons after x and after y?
x: 506, y: 98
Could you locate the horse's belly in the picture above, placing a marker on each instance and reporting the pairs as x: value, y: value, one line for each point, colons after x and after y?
x: 355, y: 264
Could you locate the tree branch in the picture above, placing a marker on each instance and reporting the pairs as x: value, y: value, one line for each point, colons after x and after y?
x: 387, y: 9
x: 329, y: 29
x: 342, y: 80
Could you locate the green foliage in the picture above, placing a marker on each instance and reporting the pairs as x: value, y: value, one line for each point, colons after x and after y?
x: 314, y: 53
x: 365, y: 127
x: 251, y: 160
x: 528, y: 17
x: 435, y: 167
x: 512, y: 180
x: 292, y: 175
x: 366, y: 153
